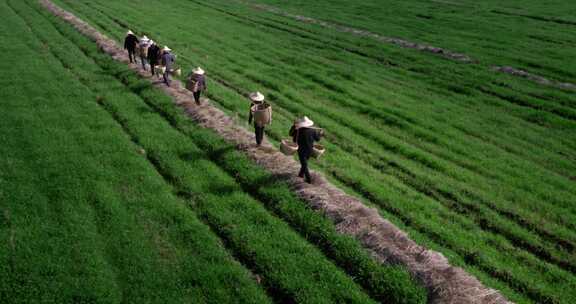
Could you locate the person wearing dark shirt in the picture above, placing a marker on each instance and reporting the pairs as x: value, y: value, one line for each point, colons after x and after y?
x: 153, y: 55
x: 256, y: 99
x: 305, y: 136
x: 197, y: 83
x: 130, y: 43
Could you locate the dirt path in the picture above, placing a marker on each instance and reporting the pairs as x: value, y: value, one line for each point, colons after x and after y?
x: 446, y: 283
x: 460, y: 57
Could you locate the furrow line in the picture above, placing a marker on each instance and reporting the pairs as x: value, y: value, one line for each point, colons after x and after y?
x: 274, y: 294
x: 460, y: 57
x: 446, y: 283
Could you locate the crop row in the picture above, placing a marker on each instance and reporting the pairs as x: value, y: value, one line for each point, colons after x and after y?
x: 87, y: 219
x: 414, y: 169
x: 268, y: 247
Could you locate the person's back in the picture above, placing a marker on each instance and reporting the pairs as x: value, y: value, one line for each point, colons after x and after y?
x: 167, y: 60
x: 144, y: 45
x: 153, y: 53
x: 130, y: 42
x: 306, y: 138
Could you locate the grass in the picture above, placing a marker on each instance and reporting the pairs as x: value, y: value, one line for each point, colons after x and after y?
x: 476, y: 164
x: 138, y: 207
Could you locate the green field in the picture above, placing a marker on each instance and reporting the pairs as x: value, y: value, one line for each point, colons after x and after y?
x: 110, y: 194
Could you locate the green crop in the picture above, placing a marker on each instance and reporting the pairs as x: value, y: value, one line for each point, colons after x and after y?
x: 139, y: 204
x: 476, y: 164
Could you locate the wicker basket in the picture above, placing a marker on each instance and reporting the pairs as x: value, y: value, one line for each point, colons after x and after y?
x: 288, y: 147
x: 318, y: 150
x: 160, y: 69
x: 262, y: 114
x: 176, y: 72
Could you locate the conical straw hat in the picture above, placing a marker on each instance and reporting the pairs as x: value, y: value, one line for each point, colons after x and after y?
x: 256, y: 96
x: 198, y: 71
x: 303, y: 122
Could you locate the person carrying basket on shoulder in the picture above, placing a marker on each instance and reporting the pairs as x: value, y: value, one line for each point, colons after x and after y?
x: 305, y: 136
x: 167, y: 61
x: 261, y: 113
x: 196, y: 82
x: 130, y: 44
x: 143, y: 48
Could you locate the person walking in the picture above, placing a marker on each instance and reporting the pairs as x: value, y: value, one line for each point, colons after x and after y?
x: 130, y: 43
x: 167, y: 61
x: 304, y: 135
x: 143, y: 51
x: 153, y: 55
x: 256, y: 99
x: 196, y: 82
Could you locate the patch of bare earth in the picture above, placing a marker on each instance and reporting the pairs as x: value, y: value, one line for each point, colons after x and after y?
x: 446, y: 283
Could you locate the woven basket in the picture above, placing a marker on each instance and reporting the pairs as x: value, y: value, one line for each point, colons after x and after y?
x: 160, y: 69
x: 262, y: 114
x: 288, y: 147
x: 176, y: 72
x: 318, y: 150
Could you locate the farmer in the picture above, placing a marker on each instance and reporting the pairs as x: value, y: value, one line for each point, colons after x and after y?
x: 304, y: 135
x: 167, y: 61
x: 143, y: 50
x: 153, y: 55
x: 196, y: 83
x: 130, y: 43
x: 256, y: 99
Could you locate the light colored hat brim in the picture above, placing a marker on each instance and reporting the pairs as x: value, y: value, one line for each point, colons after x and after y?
x: 304, y: 123
x: 256, y: 96
x: 129, y: 32
x: 152, y: 42
x: 166, y: 49
x: 198, y: 71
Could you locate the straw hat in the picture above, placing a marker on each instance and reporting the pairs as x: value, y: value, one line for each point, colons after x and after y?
x: 129, y: 32
x: 152, y: 42
x: 303, y: 122
x: 198, y: 71
x: 256, y: 96
x: 166, y: 49
x: 145, y: 38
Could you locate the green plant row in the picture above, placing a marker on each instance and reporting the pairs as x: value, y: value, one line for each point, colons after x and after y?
x: 84, y: 217
x: 388, y: 284
x: 365, y: 156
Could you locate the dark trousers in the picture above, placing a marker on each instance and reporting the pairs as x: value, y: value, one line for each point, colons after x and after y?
x: 132, y: 55
x: 259, y: 132
x: 167, y: 77
x: 197, y: 96
x: 152, y: 67
x: 304, y: 172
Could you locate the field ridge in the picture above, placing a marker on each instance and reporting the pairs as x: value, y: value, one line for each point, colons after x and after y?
x: 353, y: 218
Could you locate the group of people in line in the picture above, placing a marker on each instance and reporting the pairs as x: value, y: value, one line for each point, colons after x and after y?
x: 302, y: 131
x: 152, y: 55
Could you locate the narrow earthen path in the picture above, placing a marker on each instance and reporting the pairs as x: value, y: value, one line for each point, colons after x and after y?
x: 445, y: 283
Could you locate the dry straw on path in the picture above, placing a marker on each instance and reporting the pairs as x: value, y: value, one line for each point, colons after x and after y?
x: 445, y: 283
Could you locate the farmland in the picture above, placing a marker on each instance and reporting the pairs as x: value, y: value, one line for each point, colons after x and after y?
x: 476, y: 164
x: 116, y: 200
